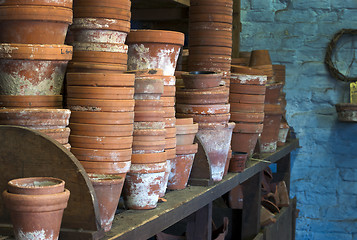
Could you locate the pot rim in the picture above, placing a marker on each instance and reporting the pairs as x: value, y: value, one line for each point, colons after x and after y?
x: 155, y: 36
x: 35, y: 51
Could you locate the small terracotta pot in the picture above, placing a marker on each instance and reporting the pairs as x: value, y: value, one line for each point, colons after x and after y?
x: 166, y: 179
x: 201, y: 80
x: 169, y: 112
x: 95, y: 67
x: 145, y: 86
x: 154, y: 49
x: 35, y: 101
x: 246, y: 98
x: 99, y: 105
x: 149, y: 158
x: 247, y: 107
x: 185, y: 133
x: 149, y: 116
x: 169, y: 91
x: 170, y: 132
x: 35, y: 118
x: 202, y: 98
x: 142, y: 147
x: 170, y: 143
x: 102, y: 155
x: 110, y: 93
x: 108, y: 190
x: 101, y: 12
x: 181, y: 166
x: 110, y: 143
x: 149, y: 125
x: 214, y: 118
x: 244, y: 142
x: 237, y: 163
x: 272, y: 93
x: 61, y: 135
x: 170, y: 122
x: 108, y: 168
x: 242, y: 127
x: 36, y: 215
x: 100, y: 79
x: 147, y: 73
x: 32, y: 24
x: 247, y: 117
x: 148, y: 105
x: 31, y: 69
x: 203, y: 109
x: 216, y: 138
x: 283, y: 133
x: 36, y: 186
x: 149, y: 132
x: 259, y: 57
x: 100, y: 23
x: 100, y: 57
x: 168, y: 101
x: 101, y: 130
x: 110, y: 118
x: 143, y: 184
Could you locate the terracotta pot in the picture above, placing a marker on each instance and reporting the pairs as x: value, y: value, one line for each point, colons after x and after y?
x: 169, y: 112
x: 100, y: 57
x: 202, y: 98
x: 142, y: 147
x: 185, y: 134
x: 38, y: 215
x: 216, y: 139
x: 170, y: 122
x: 170, y: 153
x: 110, y: 143
x: 203, y: 109
x: 32, y: 24
x: 215, y: 118
x: 170, y: 143
x: 242, y: 127
x: 247, y: 107
x: 102, y: 155
x: 218, y: 50
x: 154, y: 49
x: 244, y: 142
x: 148, y: 73
x: 110, y: 118
x: 100, y: 47
x: 108, y: 168
x: 33, y: 69
x: 147, y: 96
x: 181, y: 166
x: 168, y: 101
x: 169, y: 91
x: 165, y: 180
x: 108, y: 190
x: 100, y: 24
x: 246, y: 98
x: 95, y: 67
x: 245, y: 70
x: 62, y: 3
x: 268, y: 71
x: 212, y: 41
x: 149, y: 116
x: 150, y: 132
x: 270, y: 134
x: 145, y: 86
x: 226, y: 3
x: 209, y: 67
x: 248, y: 89
x: 148, y: 138
x: 35, y: 118
x: 143, y: 184
x: 36, y: 101
x: 211, y: 17
x: 227, y: 162
x: 170, y: 132
x: 150, y: 104
x: 201, y: 80
x: 237, y: 163
x: 110, y: 93
x: 98, y: 105
x: 149, y: 158
x: 100, y: 79
x: 247, y: 117
x: 184, y: 121
x: 169, y: 80
x: 210, y: 58
x: 283, y: 133
x: 101, y: 12
x: 272, y: 93
x: 36, y: 186
x: 124, y: 4
x: 101, y: 130
x: 98, y: 36
x: 149, y: 125
x: 279, y: 73
x: 61, y: 135
x: 260, y: 57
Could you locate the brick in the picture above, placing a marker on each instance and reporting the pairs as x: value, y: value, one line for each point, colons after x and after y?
x: 343, y: 4
x: 260, y: 16
x: 295, y: 16
x: 332, y: 236
x: 260, y: 5
x: 348, y: 174
x: 348, y: 188
x: 330, y: 226
x: 310, y: 4
x: 349, y: 200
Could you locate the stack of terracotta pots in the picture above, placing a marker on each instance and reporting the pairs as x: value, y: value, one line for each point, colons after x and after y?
x: 33, y: 62
x: 242, y: 60
x: 210, y: 36
x: 185, y: 153
x: 204, y: 100
x: 98, y: 35
x: 247, y: 95
x: 146, y: 178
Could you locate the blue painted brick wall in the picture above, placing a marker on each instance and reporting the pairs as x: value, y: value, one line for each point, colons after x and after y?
x: 324, y: 170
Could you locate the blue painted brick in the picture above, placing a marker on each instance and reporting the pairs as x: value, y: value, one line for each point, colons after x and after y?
x: 296, y: 16
x: 332, y: 236
x: 310, y: 4
x: 260, y: 5
x: 348, y: 174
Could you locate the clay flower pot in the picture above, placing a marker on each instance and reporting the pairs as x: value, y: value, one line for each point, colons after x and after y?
x: 227, y: 162
x: 283, y: 133
x: 143, y: 184
x: 169, y: 91
x: 110, y: 118
x: 203, y: 109
x: 169, y: 80
x: 99, y: 105
x: 149, y: 158
x: 149, y: 104
x: 245, y: 137
x: 100, y: 57
x: 203, y: 97
x: 237, y: 163
x: 35, y: 101
x: 142, y: 147
x: 346, y: 112
x: 225, y: 3
x: 246, y: 98
x: 149, y: 125
x: 272, y: 93
x: 247, y: 107
x: 216, y: 138
x: 110, y: 93
x: 29, y: 69
x: 61, y: 135
x: 185, y: 131
x: 32, y: 24
x: 95, y: 67
x: 166, y: 179
x: 169, y: 112
x: 99, y: 24
x: 248, y: 117
x: 100, y: 47
x: 212, y: 118
x: 36, y: 209
x: 149, y: 116
x: 100, y: 79
x: 203, y: 79
x: 101, y: 130
x: 170, y: 132
x: 101, y: 12
x: 170, y: 122
x: 124, y: 4
x: 35, y: 118
x: 62, y: 3
x: 210, y: 50
x: 181, y: 166
x: 94, y: 142
x: 102, y: 155
x: 259, y: 57
x: 168, y: 101
x: 98, y: 36
x: 108, y: 190
x: 154, y: 49
x: 145, y: 86
x: 108, y: 168
x: 170, y: 143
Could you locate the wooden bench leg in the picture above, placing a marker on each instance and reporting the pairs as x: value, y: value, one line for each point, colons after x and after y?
x: 200, y: 225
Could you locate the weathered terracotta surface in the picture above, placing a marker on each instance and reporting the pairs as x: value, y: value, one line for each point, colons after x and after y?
x: 246, y: 98
x: 61, y: 135
x: 110, y: 118
x: 201, y: 80
x: 227, y: 162
x: 100, y: 57
x: 143, y: 184
x: 141, y: 147
x: 169, y: 80
x: 169, y: 91
x: 206, y: 9
x: 98, y: 36
x: 213, y: 118
x: 185, y: 134
x: 149, y: 132
x: 110, y: 93
x: 100, y: 79
x: 149, y: 125
x: 99, y: 105
x: 101, y: 12
x: 149, y: 158
x: 203, y: 109
x: 33, y: 24
x: 101, y: 47
x: 170, y: 122
x: 99, y: 130
x: 272, y: 93
x: 243, y: 127
x: 216, y: 140
x: 108, y: 190
x: 33, y: 69
x: 247, y: 117
x: 124, y: 4
x: 210, y: 49
x: 283, y: 133
x: 149, y: 116
x: 35, y: 118
x: 32, y: 101
x: 248, y: 89
x: 225, y: 3
x: 244, y: 142
x: 100, y: 24
x: 168, y: 101
x: 170, y: 143
x: 270, y: 134
x: 214, y: 17
x: 36, y: 216
x: 154, y: 49
x: 170, y: 153
x: 259, y: 57
x: 237, y: 163
x: 110, y: 143
x: 166, y: 179
x: 36, y: 186
x: 110, y: 168
x: 169, y: 112
x: 203, y: 97
x: 62, y: 3
x: 146, y: 86
x: 95, y: 67
x: 170, y: 132
x: 247, y: 107
x: 102, y: 155
x: 149, y: 104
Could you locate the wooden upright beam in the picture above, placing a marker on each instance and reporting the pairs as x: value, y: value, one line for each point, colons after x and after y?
x: 236, y: 28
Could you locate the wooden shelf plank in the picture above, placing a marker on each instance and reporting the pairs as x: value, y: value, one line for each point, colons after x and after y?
x: 143, y: 224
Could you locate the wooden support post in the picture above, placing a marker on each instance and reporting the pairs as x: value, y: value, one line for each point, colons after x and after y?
x: 236, y: 28
x: 200, y: 226
x: 283, y: 171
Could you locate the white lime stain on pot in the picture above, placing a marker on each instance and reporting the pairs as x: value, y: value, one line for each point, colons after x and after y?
x: 100, y: 47
x: 245, y: 79
x: 100, y: 36
x: 35, y: 235
x: 85, y: 108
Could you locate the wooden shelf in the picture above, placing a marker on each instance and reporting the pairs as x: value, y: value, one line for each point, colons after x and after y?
x: 143, y: 224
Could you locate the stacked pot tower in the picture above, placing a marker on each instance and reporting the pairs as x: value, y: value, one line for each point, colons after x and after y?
x: 33, y: 61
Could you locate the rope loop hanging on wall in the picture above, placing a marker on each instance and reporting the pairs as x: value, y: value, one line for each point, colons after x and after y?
x: 329, y: 52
